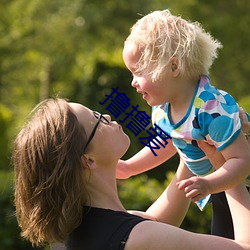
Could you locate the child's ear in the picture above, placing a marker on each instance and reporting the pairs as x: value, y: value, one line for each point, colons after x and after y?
x: 175, y: 66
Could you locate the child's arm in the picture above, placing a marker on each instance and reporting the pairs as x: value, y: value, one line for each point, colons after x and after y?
x: 144, y: 160
x: 234, y: 171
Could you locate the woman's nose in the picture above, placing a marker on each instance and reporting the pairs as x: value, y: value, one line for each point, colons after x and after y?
x: 108, y: 117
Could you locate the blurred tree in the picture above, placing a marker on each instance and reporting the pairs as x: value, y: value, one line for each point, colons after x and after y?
x: 244, y: 102
x: 72, y: 48
x: 5, y: 123
x: 57, y: 46
x: 227, y: 21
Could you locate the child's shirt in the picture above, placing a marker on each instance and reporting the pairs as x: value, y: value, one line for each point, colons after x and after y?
x: 213, y: 115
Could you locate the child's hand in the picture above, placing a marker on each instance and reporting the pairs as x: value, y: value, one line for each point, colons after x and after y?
x: 122, y: 170
x: 194, y: 187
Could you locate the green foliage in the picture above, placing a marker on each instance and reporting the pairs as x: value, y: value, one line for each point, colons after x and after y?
x: 9, y: 231
x: 139, y: 192
x: 197, y: 221
x: 73, y: 48
x: 245, y: 103
x: 5, y: 124
x: 230, y: 71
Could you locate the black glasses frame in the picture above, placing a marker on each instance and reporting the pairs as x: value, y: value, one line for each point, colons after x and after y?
x: 100, y: 118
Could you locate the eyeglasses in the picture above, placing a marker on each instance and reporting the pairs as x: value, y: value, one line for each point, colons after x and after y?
x: 100, y: 118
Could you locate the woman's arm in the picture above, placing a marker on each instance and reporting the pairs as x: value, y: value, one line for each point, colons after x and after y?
x: 160, y: 236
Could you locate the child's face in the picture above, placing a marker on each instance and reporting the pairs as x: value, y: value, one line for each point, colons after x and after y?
x: 152, y: 92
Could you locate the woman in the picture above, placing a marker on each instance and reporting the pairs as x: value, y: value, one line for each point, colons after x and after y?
x: 65, y: 188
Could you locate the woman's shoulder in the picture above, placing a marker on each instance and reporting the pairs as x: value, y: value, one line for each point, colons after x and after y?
x: 110, y: 227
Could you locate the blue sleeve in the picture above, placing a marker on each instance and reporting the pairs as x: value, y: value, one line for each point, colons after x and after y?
x: 219, y: 120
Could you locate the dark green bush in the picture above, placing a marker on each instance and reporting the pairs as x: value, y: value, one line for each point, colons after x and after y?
x: 10, y: 238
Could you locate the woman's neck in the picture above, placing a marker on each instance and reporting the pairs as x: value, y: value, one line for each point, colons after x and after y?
x: 102, y: 189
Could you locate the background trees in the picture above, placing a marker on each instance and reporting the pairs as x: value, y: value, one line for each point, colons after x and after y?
x: 72, y: 48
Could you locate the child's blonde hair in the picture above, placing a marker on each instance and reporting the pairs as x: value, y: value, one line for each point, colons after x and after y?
x: 161, y: 36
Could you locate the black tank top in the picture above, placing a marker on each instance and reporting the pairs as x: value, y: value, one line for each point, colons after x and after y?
x: 102, y: 229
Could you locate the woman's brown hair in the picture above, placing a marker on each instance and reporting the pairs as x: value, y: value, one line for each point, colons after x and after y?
x: 49, y: 182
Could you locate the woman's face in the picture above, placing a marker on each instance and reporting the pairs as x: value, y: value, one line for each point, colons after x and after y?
x: 109, y: 138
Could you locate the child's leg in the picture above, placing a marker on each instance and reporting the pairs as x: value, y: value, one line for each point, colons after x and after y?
x: 222, y: 224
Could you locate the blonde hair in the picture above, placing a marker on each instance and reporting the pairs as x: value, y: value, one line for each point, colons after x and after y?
x: 160, y: 36
x: 49, y: 184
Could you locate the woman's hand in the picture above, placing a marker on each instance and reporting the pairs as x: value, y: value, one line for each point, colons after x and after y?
x: 245, y: 124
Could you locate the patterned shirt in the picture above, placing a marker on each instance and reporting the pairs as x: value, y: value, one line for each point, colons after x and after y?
x: 213, y: 115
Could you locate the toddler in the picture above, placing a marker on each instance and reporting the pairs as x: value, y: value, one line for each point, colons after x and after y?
x: 170, y: 59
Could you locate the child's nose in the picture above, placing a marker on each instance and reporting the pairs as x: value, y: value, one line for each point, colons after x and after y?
x: 134, y: 83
